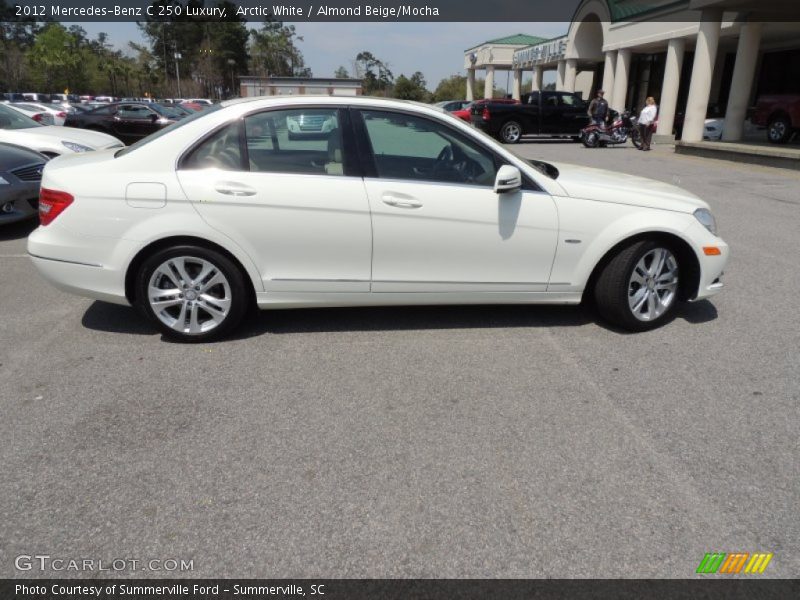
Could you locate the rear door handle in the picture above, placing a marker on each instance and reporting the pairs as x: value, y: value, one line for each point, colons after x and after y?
x: 400, y: 200
x: 231, y: 188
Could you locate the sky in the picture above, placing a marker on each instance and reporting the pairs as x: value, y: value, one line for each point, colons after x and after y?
x: 436, y: 49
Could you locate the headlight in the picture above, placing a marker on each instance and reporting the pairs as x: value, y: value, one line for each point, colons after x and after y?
x: 706, y: 219
x: 3, y: 181
x: 76, y: 147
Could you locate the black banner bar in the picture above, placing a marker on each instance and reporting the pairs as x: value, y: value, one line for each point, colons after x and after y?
x: 399, y: 589
x: 369, y: 10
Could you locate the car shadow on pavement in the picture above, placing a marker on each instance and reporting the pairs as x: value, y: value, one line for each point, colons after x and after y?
x: 113, y: 318
x: 18, y: 230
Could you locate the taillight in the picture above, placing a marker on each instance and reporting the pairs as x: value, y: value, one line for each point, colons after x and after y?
x: 486, y: 115
x: 51, y: 204
x: 61, y: 115
x: 37, y: 117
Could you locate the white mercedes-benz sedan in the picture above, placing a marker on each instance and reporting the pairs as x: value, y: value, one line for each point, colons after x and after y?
x: 398, y: 204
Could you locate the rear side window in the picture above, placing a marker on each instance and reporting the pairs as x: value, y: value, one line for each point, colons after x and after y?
x: 221, y: 150
x: 306, y: 141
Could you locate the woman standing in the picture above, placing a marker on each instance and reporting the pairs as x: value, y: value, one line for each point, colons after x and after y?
x: 646, y: 120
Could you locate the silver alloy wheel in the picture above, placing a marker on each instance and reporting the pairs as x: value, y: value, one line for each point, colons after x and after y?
x: 777, y: 130
x: 511, y: 132
x: 190, y: 295
x: 653, y: 285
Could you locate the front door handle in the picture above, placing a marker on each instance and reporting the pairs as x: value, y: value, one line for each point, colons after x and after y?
x: 231, y: 188
x: 400, y: 200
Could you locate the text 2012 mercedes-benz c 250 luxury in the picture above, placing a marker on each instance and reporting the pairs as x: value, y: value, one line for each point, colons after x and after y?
x: 397, y: 204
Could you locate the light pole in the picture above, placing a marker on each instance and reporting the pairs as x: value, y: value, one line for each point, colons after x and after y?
x: 178, y: 70
x: 232, y: 63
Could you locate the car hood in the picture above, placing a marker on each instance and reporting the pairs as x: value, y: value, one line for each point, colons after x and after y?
x: 85, y: 137
x: 619, y: 188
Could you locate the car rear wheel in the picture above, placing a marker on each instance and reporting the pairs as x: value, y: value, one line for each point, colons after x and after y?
x: 638, y: 288
x: 779, y: 130
x: 511, y: 132
x: 191, y: 293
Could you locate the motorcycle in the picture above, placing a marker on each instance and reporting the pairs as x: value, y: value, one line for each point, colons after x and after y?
x: 622, y: 127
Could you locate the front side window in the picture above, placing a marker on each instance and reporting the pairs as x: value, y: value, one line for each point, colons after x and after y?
x: 306, y: 141
x: 572, y: 101
x: 410, y: 147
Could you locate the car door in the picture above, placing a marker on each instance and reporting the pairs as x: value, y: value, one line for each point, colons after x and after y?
x: 437, y: 224
x: 297, y: 206
x: 551, y: 121
x: 574, y: 113
x: 135, y: 121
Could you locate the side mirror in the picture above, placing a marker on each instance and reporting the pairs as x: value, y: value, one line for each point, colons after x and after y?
x: 508, y: 179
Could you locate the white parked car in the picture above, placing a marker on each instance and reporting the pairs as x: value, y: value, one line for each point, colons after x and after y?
x: 16, y: 128
x: 400, y: 204
x: 42, y: 117
x: 58, y: 113
x: 713, y: 129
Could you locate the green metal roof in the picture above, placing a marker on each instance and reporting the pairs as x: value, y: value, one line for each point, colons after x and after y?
x: 624, y: 10
x: 517, y: 39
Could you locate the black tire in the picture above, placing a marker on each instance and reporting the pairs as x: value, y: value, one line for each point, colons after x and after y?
x: 239, y: 297
x: 591, y: 140
x: 510, y: 132
x: 779, y: 130
x: 613, y: 288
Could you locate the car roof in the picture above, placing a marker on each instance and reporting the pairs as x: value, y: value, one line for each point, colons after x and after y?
x: 305, y: 99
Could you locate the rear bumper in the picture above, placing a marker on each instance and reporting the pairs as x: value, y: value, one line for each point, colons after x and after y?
x: 78, y: 265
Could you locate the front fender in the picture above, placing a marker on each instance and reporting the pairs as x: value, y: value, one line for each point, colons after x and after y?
x: 589, y: 230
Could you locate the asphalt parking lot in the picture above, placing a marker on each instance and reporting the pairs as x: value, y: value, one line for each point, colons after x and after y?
x: 419, y: 442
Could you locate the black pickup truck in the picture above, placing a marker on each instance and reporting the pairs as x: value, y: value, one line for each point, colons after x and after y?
x: 540, y: 113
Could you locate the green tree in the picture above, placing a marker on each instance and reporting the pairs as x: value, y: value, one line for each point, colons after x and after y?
x: 376, y: 77
x: 341, y: 73
x: 412, y: 88
x: 17, y: 35
x: 274, y: 51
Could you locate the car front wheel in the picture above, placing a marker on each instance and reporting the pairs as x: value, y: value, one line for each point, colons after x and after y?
x: 191, y: 293
x: 638, y: 288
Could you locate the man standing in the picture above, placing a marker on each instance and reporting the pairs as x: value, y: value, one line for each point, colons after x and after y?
x: 598, y: 109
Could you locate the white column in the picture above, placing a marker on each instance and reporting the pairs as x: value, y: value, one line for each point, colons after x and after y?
x: 470, y: 84
x: 705, y: 54
x: 538, y: 75
x: 488, y: 89
x: 742, y: 81
x: 620, y: 93
x: 570, y: 74
x: 608, y: 75
x: 516, y: 93
x: 671, y: 86
x: 561, y: 71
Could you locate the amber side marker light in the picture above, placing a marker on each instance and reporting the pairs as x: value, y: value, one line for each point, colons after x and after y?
x: 711, y: 251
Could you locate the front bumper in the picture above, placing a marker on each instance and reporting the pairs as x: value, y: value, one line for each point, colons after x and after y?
x: 711, y: 266
x: 18, y: 202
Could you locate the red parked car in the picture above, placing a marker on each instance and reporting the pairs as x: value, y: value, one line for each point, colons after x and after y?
x: 780, y: 114
x: 465, y: 112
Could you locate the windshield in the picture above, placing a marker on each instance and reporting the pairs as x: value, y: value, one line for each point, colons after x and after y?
x: 12, y: 119
x: 166, y: 130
